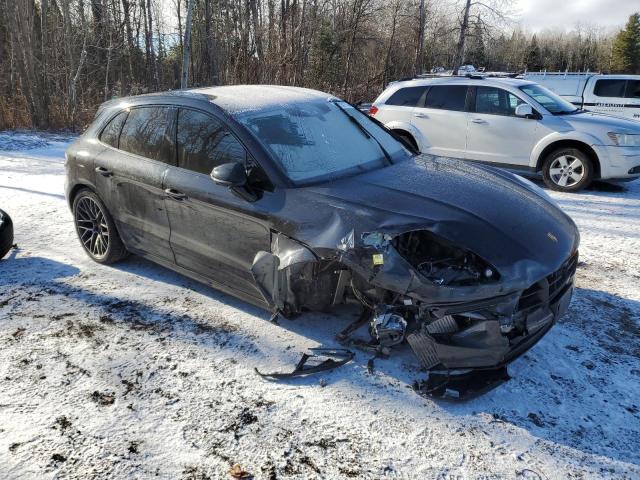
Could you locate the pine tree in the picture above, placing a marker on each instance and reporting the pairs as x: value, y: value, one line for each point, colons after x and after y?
x: 534, y: 55
x: 626, y: 47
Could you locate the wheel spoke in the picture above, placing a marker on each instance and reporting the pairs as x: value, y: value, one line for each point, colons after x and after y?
x: 562, y: 181
x: 576, y: 163
x: 555, y: 171
x: 563, y: 161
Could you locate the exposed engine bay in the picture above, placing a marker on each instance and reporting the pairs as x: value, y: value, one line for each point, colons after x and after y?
x: 446, y: 337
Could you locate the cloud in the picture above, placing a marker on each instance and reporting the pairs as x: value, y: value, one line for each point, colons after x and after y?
x: 566, y: 14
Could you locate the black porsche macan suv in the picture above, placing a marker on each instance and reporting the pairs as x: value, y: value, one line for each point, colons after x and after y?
x: 293, y: 200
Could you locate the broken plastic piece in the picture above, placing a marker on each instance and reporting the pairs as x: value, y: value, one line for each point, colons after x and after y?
x: 329, y: 358
x: 462, y: 386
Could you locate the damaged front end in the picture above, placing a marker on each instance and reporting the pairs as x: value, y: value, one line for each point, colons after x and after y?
x: 456, y: 310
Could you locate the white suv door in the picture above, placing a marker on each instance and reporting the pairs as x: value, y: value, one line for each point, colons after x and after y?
x: 399, y: 106
x: 495, y: 134
x: 442, y: 121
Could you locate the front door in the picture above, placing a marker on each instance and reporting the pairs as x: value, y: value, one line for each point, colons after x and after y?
x: 495, y: 134
x: 129, y: 176
x: 442, y: 121
x: 213, y: 232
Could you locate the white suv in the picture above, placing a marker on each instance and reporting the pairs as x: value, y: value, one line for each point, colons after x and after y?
x: 515, y: 124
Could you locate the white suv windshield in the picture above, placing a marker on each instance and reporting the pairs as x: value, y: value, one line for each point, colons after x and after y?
x: 322, y: 140
x: 549, y: 100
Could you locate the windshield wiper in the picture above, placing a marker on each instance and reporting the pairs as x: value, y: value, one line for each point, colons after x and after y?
x: 364, y: 131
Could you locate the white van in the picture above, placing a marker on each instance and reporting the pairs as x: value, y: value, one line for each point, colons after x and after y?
x: 617, y: 95
x: 514, y: 124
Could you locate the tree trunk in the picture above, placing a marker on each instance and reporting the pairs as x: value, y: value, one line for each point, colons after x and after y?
x: 459, y: 57
x: 418, y: 64
x: 186, y: 52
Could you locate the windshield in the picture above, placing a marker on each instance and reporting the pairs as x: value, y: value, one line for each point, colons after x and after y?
x: 322, y: 140
x: 549, y: 100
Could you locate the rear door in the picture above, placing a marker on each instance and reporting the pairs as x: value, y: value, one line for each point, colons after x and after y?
x: 442, y: 120
x: 213, y: 232
x: 495, y: 134
x: 129, y: 177
x: 399, y: 106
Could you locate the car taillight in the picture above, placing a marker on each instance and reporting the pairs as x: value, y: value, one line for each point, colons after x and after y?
x: 373, y: 110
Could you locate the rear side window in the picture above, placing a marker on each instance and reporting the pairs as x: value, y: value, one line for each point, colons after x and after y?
x: 495, y: 101
x: 204, y: 143
x: 406, y: 97
x: 147, y: 133
x: 447, y: 97
x: 111, y: 132
x: 633, y: 89
x: 610, y: 88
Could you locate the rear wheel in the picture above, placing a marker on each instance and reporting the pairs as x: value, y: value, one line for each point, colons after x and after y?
x: 96, y: 229
x: 567, y: 170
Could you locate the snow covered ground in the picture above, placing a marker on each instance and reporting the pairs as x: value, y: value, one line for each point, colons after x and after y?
x: 134, y: 371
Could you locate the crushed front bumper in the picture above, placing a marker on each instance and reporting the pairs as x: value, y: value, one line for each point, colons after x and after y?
x: 493, y: 333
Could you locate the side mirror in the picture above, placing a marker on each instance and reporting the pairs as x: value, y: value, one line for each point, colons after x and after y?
x: 524, y: 110
x: 230, y: 175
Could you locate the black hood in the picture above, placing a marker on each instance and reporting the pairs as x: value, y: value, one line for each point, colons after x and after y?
x: 502, y: 218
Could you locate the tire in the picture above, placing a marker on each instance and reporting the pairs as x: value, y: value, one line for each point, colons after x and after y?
x: 567, y: 170
x: 6, y: 234
x: 96, y: 229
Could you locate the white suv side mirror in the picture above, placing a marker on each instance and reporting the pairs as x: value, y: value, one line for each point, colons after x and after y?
x: 524, y: 110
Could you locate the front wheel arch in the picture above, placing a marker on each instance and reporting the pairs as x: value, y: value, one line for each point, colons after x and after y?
x: 583, y: 147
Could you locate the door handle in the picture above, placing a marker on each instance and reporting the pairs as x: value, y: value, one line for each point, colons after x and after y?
x: 104, y: 172
x: 175, y: 194
x: 421, y: 115
x: 479, y: 121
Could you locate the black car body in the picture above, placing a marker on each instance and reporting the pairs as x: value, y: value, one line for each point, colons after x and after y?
x: 6, y: 233
x: 470, y: 264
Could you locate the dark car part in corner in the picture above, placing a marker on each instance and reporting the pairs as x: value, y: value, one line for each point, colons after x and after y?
x: 6, y: 233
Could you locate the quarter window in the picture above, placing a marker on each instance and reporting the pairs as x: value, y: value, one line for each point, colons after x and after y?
x: 495, y: 101
x: 610, y: 88
x: 204, y: 143
x: 147, y: 133
x: 406, y: 97
x: 447, y: 97
x: 111, y: 132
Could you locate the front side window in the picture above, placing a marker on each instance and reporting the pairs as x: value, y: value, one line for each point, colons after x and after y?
x: 147, y: 133
x: 610, y: 88
x: 321, y: 140
x: 204, y: 143
x: 495, y: 101
x: 549, y: 100
x: 406, y: 97
x: 447, y: 97
x: 111, y: 132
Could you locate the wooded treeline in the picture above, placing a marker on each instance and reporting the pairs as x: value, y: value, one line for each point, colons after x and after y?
x: 59, y: 59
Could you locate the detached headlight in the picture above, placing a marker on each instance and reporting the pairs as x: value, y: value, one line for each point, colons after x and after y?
x: 625, y: 139
x: 441, y: 262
